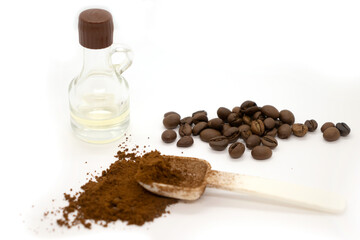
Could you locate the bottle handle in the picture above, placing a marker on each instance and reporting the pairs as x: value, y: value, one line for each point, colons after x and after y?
x: 128, y: 57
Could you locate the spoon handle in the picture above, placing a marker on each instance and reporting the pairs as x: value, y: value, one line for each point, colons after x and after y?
x: 278, y: 191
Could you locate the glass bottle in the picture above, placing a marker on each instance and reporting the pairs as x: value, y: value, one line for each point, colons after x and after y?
x: 99, y: 95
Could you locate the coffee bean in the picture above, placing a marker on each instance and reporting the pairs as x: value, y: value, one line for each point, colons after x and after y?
x: 249, y: 108
x: 168, y: 136
x: 269, y: 141
x: 200, y: 111
x: 299, y: 129
x: 218, y: 143
x: 216, y: 123
x: 269, y: 123
x: 245, y: 131
x: 199, y: 117
x: 185, y: 141
x: 311, y: 125
x: 232, y: 117
x: 168, y: 113
x: 236, y: 150
x: 234, y: 120
x: 257, y: 127
x: 245, y: 105
x: 207, y: 134
x: 278, y: 123
x: 326, y: 125
x: 199, y: 127
x: 343, y: 128
x: 258, y: 115
x: 253, y: 141
x: 185, y: 130
x: 261, y: 152
x: 246, y: 119
x: 236, y: 110
x: 226, y: 126
x: 171, y: 121
x: 331, y: 134
x: 284, y: 131
x: 287, y: 116
x: 187, y: 120
x: 272, y: 132
x: 270, y: 111
x: 232, y: 134
x: 223, y: 113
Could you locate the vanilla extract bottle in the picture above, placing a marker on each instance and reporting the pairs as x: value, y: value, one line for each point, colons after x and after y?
x: 99, y: 95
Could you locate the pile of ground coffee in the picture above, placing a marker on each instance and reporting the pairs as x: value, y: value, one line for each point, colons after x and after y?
x: 172, y: 170
x: 115, y: 195
x: 154, y: 167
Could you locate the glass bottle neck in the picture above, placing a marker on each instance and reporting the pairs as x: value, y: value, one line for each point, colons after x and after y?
x: 95, y: 60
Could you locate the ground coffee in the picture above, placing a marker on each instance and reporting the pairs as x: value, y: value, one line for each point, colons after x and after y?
x: 115, y: 195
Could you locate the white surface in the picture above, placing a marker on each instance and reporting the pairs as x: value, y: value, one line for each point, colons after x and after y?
x: 189, y: 55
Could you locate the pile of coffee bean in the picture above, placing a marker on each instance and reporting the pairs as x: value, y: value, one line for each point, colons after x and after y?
x: 332, y: 132
x: 256, y: 126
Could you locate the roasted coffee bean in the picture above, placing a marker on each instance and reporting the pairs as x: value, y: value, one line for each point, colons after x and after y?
x: 257, y: 127
x: 269, y: 141
x: 171, y: 121
x: 245, y: 131
x: 232, y: 134
x: 216, y: 123
x: 251, y: 110
x: 261, y: 152
x: 236, y: 110
x: 311, y: 125
x: 185, y: 141
x: 168, y: 113
x: 287, y: 116
x: 270, y: 111
x: 168, y: 136
x: 331, y: 134
x: 245, y: 105
x: 200, y: 117
x: 209, y: 133
x: 284, y: 131
x: 200, y: 111
x: 234, y: 120
x: 258, y: 115
x: 343, y: 128
x: 226, y: 126
x: 199, y: 127
x: 299, y: 129
x: 253, y: 141
x: 218, y: 143
x: 236, y: 150
x: 278, y: 123
x: 269, y: 123
x: 223, y: 113
x: 185, y: 130
x: 326, y: 125
x: 187, y: 120
x: 246, y: 119
x: 272, y: 132
x: 249, y: 107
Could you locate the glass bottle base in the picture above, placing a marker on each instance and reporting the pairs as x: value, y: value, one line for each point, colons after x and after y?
x: 100, y: 132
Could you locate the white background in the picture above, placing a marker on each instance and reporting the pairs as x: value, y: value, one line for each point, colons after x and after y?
x: 189, y: 55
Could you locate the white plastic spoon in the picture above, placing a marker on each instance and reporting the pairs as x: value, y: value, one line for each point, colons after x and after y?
x: 281, y: 192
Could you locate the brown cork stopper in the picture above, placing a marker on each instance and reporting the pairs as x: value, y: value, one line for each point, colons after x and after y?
x: 95, y: 28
